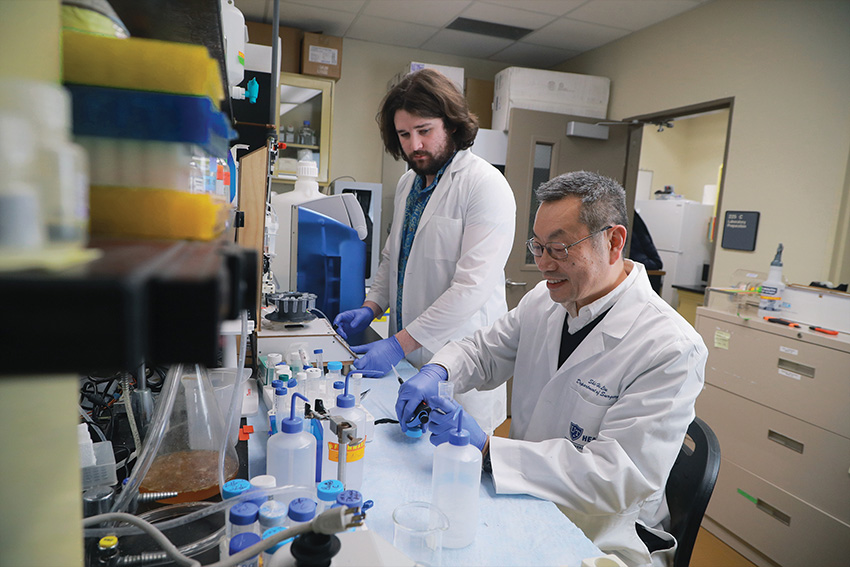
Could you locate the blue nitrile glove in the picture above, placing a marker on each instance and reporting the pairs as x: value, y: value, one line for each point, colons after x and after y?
x: 378, y: 357
x: 353, y: 321
x: 444, y: 421
x: 417, y: 389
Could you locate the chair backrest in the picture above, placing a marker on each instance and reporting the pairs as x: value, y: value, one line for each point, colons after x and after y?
x: 689, y: 487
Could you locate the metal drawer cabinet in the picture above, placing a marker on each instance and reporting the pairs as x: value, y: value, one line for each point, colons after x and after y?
x: 797, y: 457
x: 781, y: 526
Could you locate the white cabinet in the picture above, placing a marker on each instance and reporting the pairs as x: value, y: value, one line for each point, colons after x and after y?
x: 778, y: 399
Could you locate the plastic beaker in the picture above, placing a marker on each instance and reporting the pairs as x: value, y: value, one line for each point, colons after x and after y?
x: 187, y: 458
x: 418, y: 532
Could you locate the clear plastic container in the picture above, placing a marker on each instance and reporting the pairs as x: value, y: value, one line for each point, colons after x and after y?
x: 352, y: 477
x: 455, y: 486
x: 273, y: 514
x: 327, y: 492
x: 306, y: 135
x: 243, y: 519
x: 291, y: 454
x: 244, y: 541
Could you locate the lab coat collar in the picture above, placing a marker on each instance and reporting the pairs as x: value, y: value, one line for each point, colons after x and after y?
x: 460, y: 161
x: 591, y: 311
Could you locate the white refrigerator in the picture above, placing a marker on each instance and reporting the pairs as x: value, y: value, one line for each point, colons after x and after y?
x: 679, y: 230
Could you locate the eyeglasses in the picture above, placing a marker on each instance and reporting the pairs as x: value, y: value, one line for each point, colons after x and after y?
x: 557, y: 250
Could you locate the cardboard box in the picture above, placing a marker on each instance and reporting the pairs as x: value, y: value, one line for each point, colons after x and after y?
x: 321, y: 55
x: 290, y: 51
x: 548, y: 91
x: 479, y: 96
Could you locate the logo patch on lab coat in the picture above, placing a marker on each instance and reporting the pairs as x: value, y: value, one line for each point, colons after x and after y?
x: 575, y: 431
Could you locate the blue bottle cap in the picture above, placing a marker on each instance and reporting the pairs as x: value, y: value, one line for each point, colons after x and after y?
x: 280, y: 391
x: 234, y: 487
x: 244, y: 514
x: 243, y: 541
x: 415, y: 432
x: 277, y: 384
x: 350, y: 498
x: 302, y: 509
x: 345, y: 401
x: 339, y: 385
x: 272, y: 513
x: 334, y: 365
x: 328, y: 490
x: 293, y: 383
x: 318, y: 351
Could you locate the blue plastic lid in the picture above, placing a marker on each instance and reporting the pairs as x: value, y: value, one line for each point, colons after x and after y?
x: 461, y: 436
x: 244, y: 514
x: 345, y: 401
x: 329, y: 489
x: 334, y: 365
x: 280, y: 391
x: 350, y: 498
x: 273, y: 513
x: 318, y: 351
x: 339, y: 385
x: 234, y: 487
x: 302, y: 509
x: 277, y: 384
x: 269, y: 533
x: 240, y: 542
x: 415, y: 432
x: 291, y: 425
x: 293, y: 383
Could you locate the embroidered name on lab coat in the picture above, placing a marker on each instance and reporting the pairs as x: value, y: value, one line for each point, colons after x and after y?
x: 598, y: 389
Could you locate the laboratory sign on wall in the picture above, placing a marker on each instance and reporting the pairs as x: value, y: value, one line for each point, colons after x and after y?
x: 740, y: 229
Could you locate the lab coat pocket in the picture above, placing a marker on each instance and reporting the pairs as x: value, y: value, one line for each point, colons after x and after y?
x: 585, y: 418
x: 442, y: 238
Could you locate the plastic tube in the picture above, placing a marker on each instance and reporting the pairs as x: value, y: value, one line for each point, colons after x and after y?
x: 235, y: 411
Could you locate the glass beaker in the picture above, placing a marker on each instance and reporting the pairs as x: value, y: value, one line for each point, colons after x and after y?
x: 418, y: 532
x: 188, y: 455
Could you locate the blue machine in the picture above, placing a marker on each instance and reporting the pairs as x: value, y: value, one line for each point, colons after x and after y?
x: 331, y: 262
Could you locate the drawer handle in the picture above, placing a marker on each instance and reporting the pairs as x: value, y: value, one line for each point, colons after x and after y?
x: 773, y: 512
x: 796, y: 367
x: 785, y: 441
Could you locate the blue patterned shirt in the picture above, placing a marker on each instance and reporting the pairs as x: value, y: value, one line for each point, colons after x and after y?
x: 417, y: 199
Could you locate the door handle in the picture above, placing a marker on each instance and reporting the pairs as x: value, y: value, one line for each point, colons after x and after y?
x: 510, y: 283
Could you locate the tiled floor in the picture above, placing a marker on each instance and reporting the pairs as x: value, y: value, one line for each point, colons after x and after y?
x: 708, y: 550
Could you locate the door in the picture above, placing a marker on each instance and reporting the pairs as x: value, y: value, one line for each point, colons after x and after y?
x: 538, y: 150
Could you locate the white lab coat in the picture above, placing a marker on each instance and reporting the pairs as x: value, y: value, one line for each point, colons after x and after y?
x: 454, y: 281
x: 599, y: 435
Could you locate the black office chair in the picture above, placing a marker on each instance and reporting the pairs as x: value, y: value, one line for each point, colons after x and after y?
x: 689, y: 487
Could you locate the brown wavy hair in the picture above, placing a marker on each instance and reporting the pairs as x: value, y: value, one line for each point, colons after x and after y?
x: 429, y: 94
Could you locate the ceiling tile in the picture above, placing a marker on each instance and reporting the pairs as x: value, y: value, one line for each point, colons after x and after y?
x: 465, y: 44
x: 628, y: 14
x: 506, y: 16
x: 535, y: 56
x: 313, y: 19
x: 255, y: 10
x: 437, y: 13
x: 565, y: 33
x: 351, y: 6
x: 551, y: 7
x: 381, y: 30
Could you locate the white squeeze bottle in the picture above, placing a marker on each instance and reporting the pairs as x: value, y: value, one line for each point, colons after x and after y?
x: 770, y: 295
x: 291, y: 453
x: 306, y: 189
x: 355, y: 455
x: 455, y: 484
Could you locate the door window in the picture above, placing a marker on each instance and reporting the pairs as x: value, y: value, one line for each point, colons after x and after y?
x: 540, y: 174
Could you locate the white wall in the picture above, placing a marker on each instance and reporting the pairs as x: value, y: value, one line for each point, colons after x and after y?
x: 785, y: 63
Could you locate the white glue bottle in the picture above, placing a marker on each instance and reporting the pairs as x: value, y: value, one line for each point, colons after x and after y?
x: 770, y: 293
x: 291, y: 454
x: 455, y: 484
x: 355, y: 455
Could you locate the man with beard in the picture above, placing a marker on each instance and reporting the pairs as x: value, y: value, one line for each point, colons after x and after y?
x: 442, y: 268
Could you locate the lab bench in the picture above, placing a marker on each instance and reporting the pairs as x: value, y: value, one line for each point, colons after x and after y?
x: 513, y: 530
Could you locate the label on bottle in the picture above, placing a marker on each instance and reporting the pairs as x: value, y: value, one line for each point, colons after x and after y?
x: 354, y: 453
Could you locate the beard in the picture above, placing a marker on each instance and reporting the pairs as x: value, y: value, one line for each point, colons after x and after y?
x: 434, y: 162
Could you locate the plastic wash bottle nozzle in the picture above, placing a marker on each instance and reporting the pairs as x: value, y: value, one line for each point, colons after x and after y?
x: 770, y: 295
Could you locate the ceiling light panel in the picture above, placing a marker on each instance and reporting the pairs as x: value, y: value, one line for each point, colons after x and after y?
x: 488, y: 28
x: 506, y: 16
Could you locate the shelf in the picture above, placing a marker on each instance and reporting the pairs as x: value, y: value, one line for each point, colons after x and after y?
x: 288, y: 145
x: 160, y: 302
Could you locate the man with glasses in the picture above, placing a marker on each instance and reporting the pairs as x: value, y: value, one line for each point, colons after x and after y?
x: 605, y: 377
